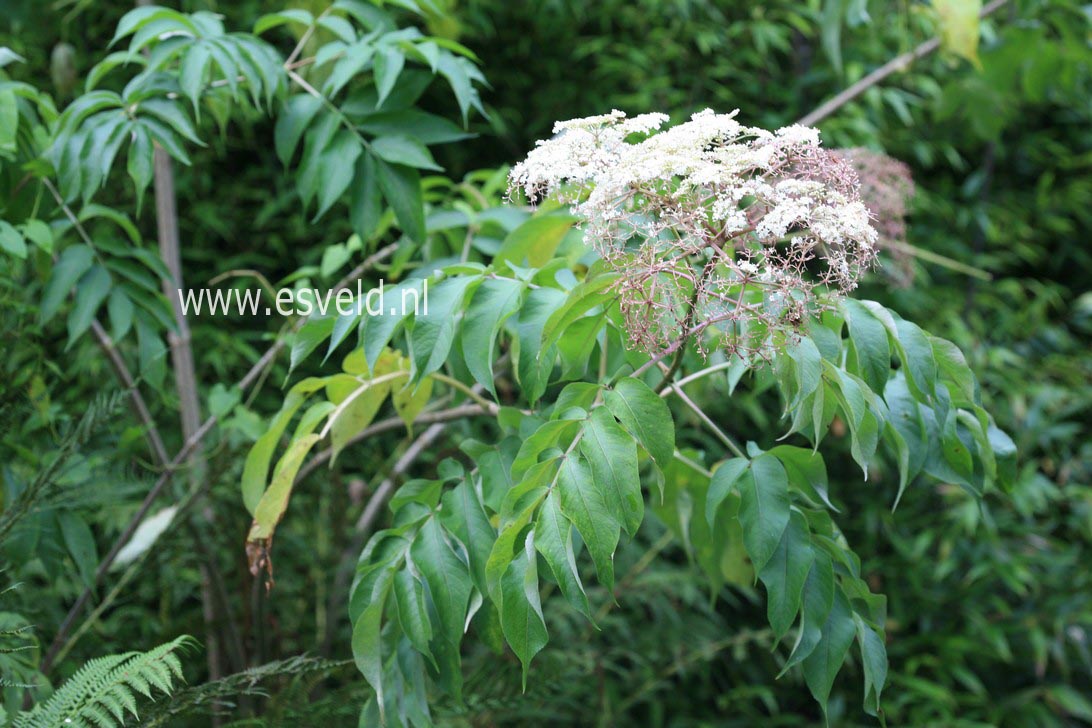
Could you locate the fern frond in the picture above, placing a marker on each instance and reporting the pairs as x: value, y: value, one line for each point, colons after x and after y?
x: 102, y: 692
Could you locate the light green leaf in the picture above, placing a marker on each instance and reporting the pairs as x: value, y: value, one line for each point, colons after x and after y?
x: 40, y: 234
x: 406, y: 151
x: 920, y: 366
x: 296, y: 116
x: 533, y: 364
x: 581, y: 299
x: 141, y: 162
x: 959, y: 27
x: 274, y: 501
x: 409, y: 399
x: 357, y: 404
x: 535, y: 240
x: 193, y: 72
x: 256, y: 467
x: 11, y: 240
x: 377, y: 327
x: 367, y: 642
x: 388, y: 64
x: 273, y: 20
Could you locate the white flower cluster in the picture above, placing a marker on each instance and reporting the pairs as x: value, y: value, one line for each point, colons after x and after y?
x: 708, y: 206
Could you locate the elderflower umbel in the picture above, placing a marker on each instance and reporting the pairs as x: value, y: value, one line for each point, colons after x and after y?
x: 713, y: 226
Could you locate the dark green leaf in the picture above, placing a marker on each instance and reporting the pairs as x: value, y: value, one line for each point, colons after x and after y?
x: 645, y: 415
x: 764, y: 508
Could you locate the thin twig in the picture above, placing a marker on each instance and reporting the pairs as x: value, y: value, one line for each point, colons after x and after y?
x: 174, y: 465
x: 392, y: 423
x: 897, y: 63
x: 721, y: 434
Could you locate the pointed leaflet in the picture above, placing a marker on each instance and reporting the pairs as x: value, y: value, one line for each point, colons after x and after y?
x: 921, y: 367
x: 434, y: 330
x: 295, y: 117
x: 764, y: 508
x: 544, y: 438
x: 74, y: 261
x: 359, y: 401
x: 823, y: 664
x: 554, y: 540
x: 500, y: 556
x: 494, y: 301
x: 612, y: 454
x: 367, y: 643
x: 11, y: 240
x: 377, y: 327
x: 953, y: 366
x: 721, y: 484
x: 449, y: 584
x: 815, y: 606
x: 409, y: 400
x: 585, y: 503
x: 645, y: 415
x: 256, y: 467
x: 401, y: 186
x: 806, y: 472
x: 140, y: 162
x: 388, y: 64
x: 785, y: 573
x: 905, y: 418
x: 536, y: 239
x: 874, y: 660
x: 409, y: 597
x: 463, y: 515
x: 533, y: 363
x: 366, y: 204
x: 869, y: 338
x: 580, y: 300
x: 274, y: 501
x: 400, y: 149
x: 520, y: 609
x: 336, y: 168
x: 91, y: 291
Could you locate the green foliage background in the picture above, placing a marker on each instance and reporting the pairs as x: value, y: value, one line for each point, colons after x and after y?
x: 989, y: 602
